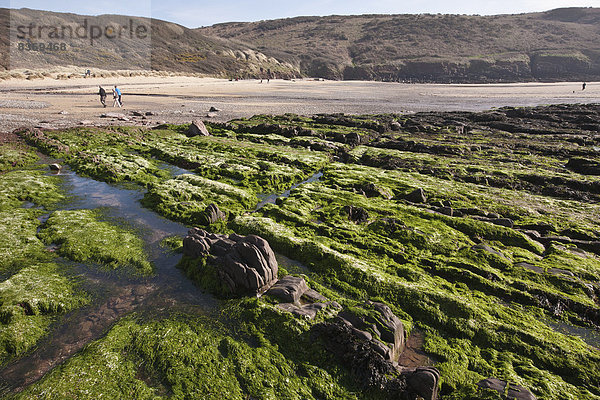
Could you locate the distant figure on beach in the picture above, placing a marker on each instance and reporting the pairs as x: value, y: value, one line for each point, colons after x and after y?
x: 583, y: 86
x: 102, y: 94
x: 117, y: 97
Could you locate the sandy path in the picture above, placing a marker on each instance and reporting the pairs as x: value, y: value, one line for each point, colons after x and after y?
x: 181, y: 99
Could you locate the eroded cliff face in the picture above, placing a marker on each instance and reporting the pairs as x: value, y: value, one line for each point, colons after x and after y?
x: 537, y: 66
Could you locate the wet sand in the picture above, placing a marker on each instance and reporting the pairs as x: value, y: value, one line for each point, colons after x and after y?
x: 59, y: 103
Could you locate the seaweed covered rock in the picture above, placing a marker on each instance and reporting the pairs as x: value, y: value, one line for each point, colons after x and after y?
x: 244, y: 264
x: 379, y: 319
x: 356, y: 350
x: 508, y: 391
x: 212, y: 214
x: 357, y: 214
x: 309, y: 311
x: 299, y: 299
x: 197, y: 128
x: 372, y: 190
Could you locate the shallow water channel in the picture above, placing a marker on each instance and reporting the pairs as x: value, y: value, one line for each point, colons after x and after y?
x: 114, y: 293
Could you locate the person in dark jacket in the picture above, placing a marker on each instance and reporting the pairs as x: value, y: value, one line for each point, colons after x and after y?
x: 102, y: 94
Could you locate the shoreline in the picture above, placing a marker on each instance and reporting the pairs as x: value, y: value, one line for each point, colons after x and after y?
x: 51, y: 103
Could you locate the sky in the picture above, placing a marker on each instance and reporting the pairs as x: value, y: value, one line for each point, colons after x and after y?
x: 196, y: 13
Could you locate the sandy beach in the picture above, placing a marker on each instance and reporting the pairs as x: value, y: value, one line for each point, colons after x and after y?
x: 55, y: 103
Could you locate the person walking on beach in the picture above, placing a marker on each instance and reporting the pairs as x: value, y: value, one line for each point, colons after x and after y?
x: 116, y: 101
x: 102, y: 94
x: 583, y: 86
x: 118, y: 93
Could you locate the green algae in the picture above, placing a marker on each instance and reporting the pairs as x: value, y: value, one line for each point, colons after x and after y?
x: 186, y: 197
x: 18, y: 241
x: 82, y: 236
x: 13, y: 157
x: 29, y: 301
x: 32, y: 186
x: 191, y: 358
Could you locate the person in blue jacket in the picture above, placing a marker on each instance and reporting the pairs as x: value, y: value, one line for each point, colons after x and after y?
x: 117, y: 96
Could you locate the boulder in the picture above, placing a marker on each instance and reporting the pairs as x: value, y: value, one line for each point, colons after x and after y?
x: 507, y: 222
x: 508, y: 391
x: 244, y: 264
x: 353, y: 139
x: 289, y: 289
x: 484, y: 247
x: 214, y: 109
x: 197, y: 128
x: 417, y: 196
x: 357, y: 353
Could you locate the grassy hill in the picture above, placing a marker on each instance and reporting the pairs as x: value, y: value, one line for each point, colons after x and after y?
x: 554, y: 45
x: 562, y: 44
x: 160, y: 45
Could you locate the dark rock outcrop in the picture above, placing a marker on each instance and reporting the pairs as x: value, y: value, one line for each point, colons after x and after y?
x: 370, y: 356
x: 308, y: 311
x: 382, y: 321
x: 417, y: 196
x: 584, y: 166
x: 357, y: 214
x: 244, y: 264
x: 373, y: 190
x: 508, y: 391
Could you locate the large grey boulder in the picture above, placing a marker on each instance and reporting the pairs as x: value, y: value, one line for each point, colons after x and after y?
x: 244, y: 264
x: 197, y: 128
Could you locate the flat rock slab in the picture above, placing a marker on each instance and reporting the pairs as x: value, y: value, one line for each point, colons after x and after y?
x: 289, y: 289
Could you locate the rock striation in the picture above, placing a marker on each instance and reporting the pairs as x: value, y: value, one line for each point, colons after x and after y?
x: 245, y: 265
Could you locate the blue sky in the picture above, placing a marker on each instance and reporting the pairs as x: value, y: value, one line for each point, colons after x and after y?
x: 195, y: 13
